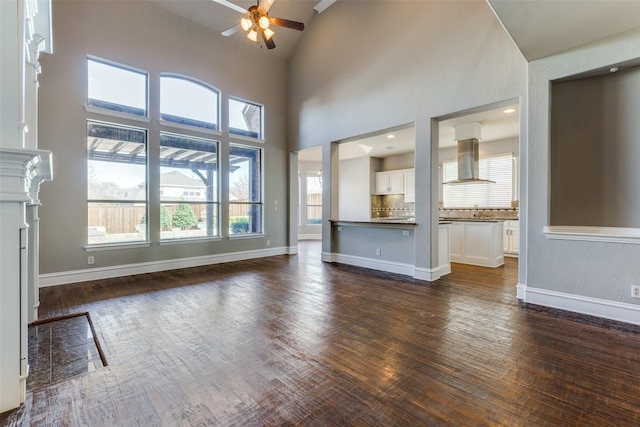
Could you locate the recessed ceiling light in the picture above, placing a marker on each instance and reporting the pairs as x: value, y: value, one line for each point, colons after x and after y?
x: 391, y: 136
x: 509, y: 110
x: 614, y: 70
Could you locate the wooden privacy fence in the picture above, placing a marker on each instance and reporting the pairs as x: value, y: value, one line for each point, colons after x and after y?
x: 124, y: 218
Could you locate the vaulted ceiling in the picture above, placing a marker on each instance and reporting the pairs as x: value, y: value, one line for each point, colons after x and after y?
x: 219, y: 18
x: 539, y: 28
x: 546, y: 27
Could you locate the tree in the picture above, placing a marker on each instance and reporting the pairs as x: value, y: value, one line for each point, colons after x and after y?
x: 165, y: 218
x: 239, y: 188
x: 184, y: 217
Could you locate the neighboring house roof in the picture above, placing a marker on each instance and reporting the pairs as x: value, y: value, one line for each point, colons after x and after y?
x: 178, y: 179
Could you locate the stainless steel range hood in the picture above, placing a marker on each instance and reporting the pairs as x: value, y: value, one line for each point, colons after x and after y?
x: 467, y: 136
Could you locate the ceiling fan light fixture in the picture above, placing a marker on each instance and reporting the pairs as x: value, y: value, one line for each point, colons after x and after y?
x: 245, y: 24
x: 263, y: 22
x: 252, y: 35
x: 268, y: 33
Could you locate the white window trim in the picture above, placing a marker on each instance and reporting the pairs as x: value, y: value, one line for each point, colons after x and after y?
x: 178, y: 241
x: 243, y: 138
x: 246, y: 236
x: 105, y: 112
x: 146, y: 118
x: 169, y: 124
x: 594, y: 234
x: 116, y: 246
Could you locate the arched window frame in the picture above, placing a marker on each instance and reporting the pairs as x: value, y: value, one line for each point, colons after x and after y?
x: 189, y: 123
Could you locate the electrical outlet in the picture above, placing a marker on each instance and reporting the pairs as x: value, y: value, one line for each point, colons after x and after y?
x: 405, y: 233
x: 378, y: 252
x: 635, y: 291
x: 91, y: 260
x: 339, y: 228
x: 268, y: 242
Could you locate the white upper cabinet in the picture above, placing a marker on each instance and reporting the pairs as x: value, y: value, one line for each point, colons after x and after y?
x: 410, y: 186
x: 390, y: 182
x: 396, y: 182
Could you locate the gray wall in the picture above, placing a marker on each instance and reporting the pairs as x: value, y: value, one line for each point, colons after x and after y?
x: 145, y: 36
x: 404, y: 62
x: 403, y: 161
x: 595, y: 151
x: 592, y: 269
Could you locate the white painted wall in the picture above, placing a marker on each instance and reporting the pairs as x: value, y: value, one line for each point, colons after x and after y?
x: 509, y: 145
x: 405, y: 62
x: 354, y: 189
x: 146, y: 36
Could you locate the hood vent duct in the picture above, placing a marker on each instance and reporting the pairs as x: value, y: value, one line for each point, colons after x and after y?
x: 467, y: 136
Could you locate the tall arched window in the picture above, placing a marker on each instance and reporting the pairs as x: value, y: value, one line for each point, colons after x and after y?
x: 189, y: 102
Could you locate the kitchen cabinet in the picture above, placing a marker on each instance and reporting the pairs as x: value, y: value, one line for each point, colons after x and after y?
x: 511, y: 237
x: 390, y: 182
x: 410, y: 186
x: 477, y: 243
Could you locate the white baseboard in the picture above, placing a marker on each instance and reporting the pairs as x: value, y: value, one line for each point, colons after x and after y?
x: 309, y: 236
x: 75, y: 276
x: 374, y: 264
x: 428, y: 274
x: 431, y: 274
x: 292, y: 250
x: 620, y: 311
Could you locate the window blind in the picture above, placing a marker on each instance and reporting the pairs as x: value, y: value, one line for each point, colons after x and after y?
x: 497, y: 168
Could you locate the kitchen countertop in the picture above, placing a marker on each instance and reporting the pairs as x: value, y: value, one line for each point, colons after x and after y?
x: 472, y: 219
x: 377, y: 221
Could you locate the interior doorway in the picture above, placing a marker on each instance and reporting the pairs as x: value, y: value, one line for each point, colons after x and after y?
x: 310, y: 194
x: 492, y: 195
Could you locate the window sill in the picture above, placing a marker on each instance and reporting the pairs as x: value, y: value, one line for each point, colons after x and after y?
x: 245, y: 138
x: 246, y: 236
x: 169, y: 124
x: 104, y: 112
x: 188, y: 241
x: 116, y: 246
x: 594, y: 234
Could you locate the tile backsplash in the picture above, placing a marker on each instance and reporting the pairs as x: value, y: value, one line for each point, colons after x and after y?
x: 394, y: 206
x: 391, y: 206
x: 479, y: 213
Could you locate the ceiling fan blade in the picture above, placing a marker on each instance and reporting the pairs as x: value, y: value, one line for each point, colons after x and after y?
x: 231, y: 5
x: 265, y: 5
x: 268, y: 42
x: 231, y: 30
x: 281, y: 22
x: 322, y: 5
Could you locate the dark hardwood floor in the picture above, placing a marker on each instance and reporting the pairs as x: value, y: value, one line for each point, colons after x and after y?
x: 289, y: 340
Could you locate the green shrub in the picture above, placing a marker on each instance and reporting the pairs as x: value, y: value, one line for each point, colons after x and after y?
x: 239, y: 224
x: 184, y: 217
x: 165, y: 218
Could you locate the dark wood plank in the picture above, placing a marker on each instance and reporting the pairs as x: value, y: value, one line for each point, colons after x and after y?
x: 290, y: 340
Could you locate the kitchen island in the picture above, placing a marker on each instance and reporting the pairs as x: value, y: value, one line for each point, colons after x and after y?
x: 477, y: 241
x: 386, y: 244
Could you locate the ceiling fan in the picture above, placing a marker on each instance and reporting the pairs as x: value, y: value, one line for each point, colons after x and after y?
x: 256, y: 21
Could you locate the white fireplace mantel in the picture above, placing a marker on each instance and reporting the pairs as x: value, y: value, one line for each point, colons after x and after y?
x: 21, y: 172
